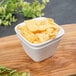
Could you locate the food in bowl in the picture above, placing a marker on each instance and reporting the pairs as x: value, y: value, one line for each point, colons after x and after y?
x: 38, y: 31
x: 39, y: 37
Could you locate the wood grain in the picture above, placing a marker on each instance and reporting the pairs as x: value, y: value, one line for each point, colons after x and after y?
x: 63, y: 63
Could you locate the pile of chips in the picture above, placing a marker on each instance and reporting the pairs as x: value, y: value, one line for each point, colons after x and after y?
x: 39, y: 30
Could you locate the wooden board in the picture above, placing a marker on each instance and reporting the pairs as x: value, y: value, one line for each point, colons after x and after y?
x: 63, y: 63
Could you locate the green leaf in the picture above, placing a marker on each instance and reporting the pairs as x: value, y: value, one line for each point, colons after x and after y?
x: 10, y: 7
x: 45, y: 1
x: 2, y: 67
x: 0, y: 21
x: 8, y: 69
x: 13, y: 71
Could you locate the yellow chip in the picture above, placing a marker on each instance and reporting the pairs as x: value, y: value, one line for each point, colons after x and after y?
x: 36, y: 42
x: 49, y: 30
x: 31, y: 25
x: 20, y: 27
x: 50, y: 20
x: 38, y: 31
x: 26, y: 33
x: 41, y: 22
x: 52, y: 36
x: 32, y: 28
x: 44, y: 27
x: 29, y: 36
x: 43, y: 37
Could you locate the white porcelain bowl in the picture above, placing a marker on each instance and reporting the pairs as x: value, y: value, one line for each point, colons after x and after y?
x: 39, y: 52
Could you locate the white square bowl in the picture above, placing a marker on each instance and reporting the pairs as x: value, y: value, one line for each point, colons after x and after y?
x: 39, y: 52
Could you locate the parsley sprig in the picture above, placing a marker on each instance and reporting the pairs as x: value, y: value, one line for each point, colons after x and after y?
x: 10, y: 72
x: 8, y: 9
x: 34, y: 9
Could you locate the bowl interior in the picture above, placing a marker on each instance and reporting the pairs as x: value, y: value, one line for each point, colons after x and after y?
x: 60, y: 33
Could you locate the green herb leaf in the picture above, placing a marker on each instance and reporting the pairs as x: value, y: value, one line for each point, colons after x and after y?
x: 10, y: 7
x: 10, y: 72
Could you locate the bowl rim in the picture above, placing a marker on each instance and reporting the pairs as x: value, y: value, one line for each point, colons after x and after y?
x: 60, y: 34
